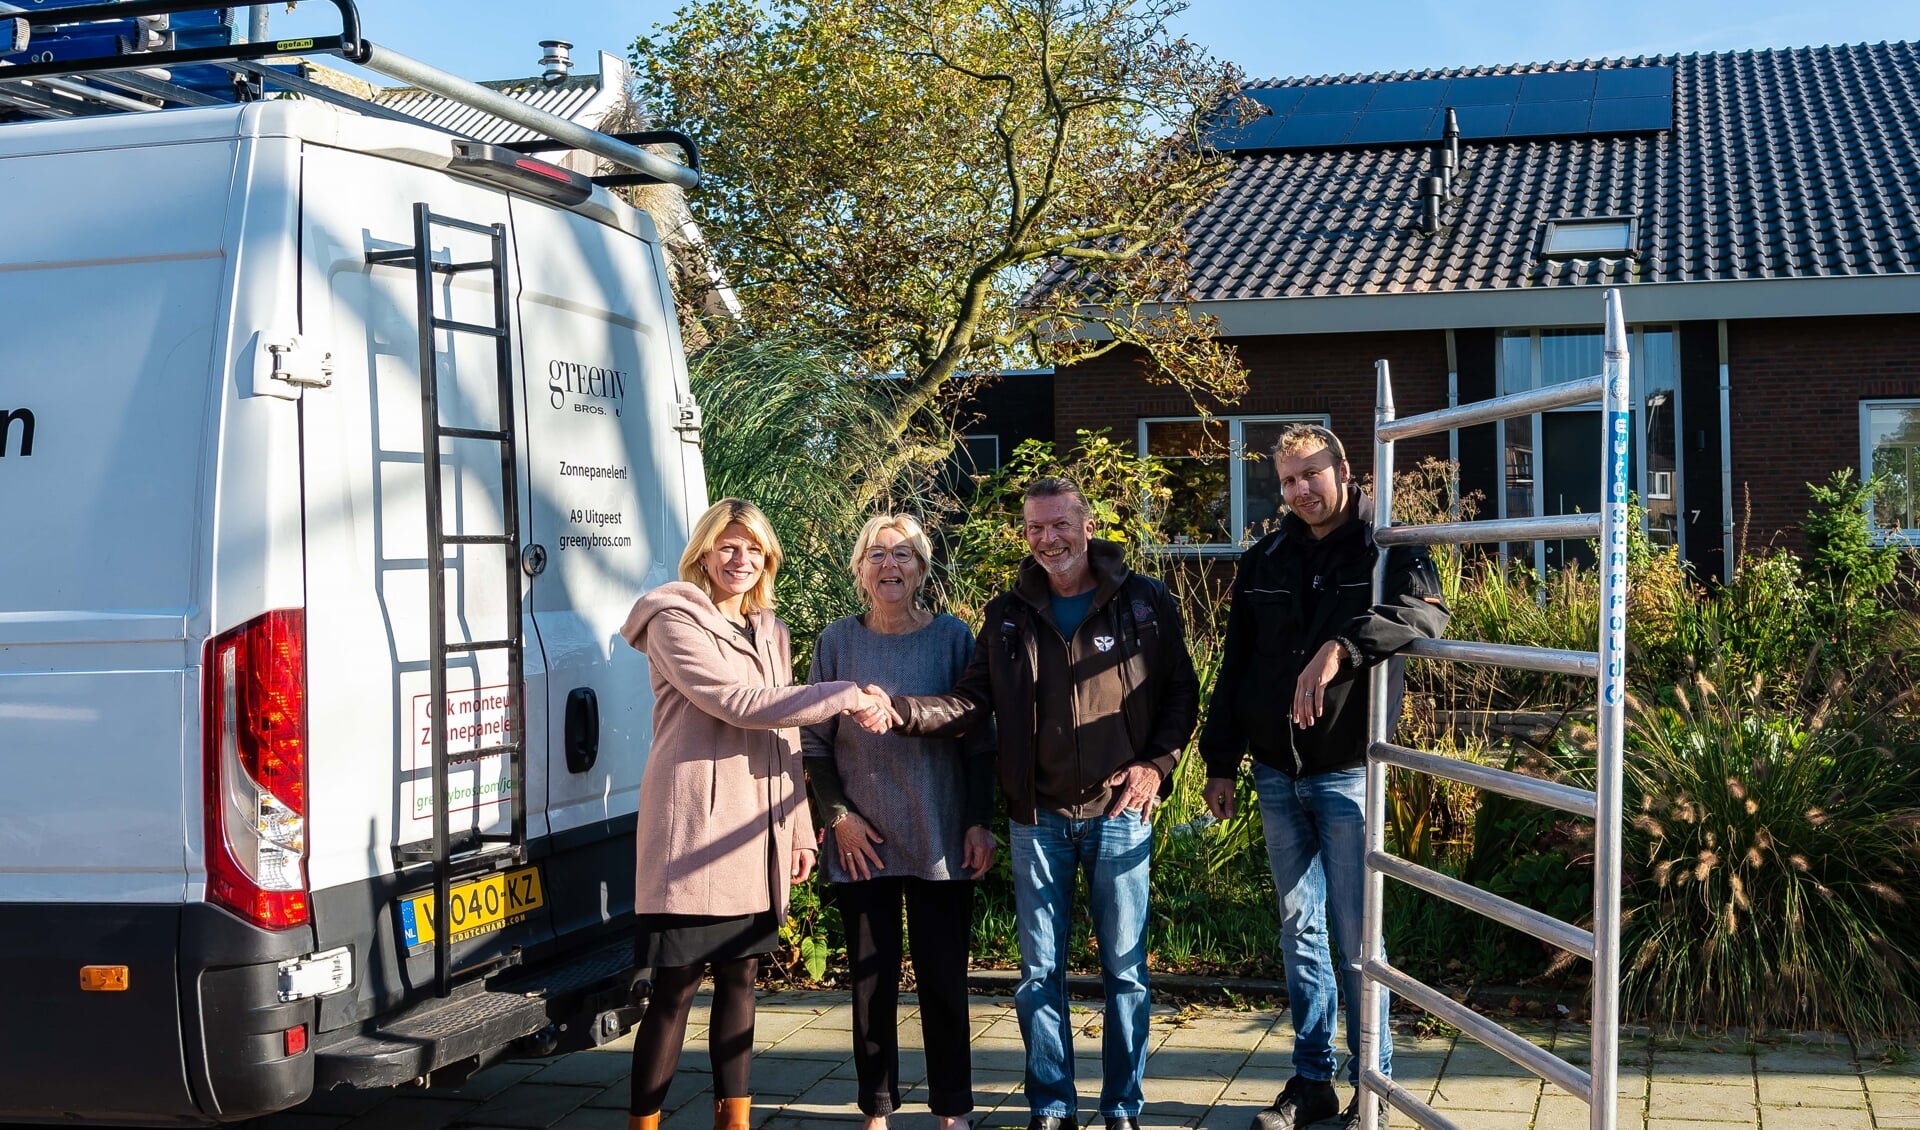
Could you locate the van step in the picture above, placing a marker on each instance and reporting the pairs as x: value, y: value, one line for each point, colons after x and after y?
x: 438, y: 1033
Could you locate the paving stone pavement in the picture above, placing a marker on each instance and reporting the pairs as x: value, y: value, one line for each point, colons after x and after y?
x: 1208, y: 1068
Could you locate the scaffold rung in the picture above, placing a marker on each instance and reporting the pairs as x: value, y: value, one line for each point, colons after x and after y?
x: 1586, y: 390
x: 1502, y: 910
x: 1566, y: 798
x: 1547, y: 526
x: 1538, y: 1060
x: 1549, y: 659
x: 1406, y: 1102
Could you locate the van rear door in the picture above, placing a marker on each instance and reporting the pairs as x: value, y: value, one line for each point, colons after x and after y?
x: 608, y: 505
x: 367, y: 648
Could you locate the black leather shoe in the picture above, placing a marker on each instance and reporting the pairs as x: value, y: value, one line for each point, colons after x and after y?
x: 1049, y: 1122
x: 1300, y: 1104
x: 1122, y: 1122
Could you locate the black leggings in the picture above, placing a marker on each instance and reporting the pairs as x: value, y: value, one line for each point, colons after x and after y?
x: 663, y: 1029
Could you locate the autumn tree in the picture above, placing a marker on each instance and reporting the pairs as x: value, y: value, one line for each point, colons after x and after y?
x: 947, y: 188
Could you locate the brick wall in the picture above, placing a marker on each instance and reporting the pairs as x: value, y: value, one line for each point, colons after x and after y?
x: 1331, y: 373
x: 1797, y: 385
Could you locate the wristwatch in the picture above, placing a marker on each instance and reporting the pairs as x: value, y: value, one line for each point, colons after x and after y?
x: 1352, y: 651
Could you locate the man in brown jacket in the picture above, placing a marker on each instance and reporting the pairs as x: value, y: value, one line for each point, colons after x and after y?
x: 1085, y: 666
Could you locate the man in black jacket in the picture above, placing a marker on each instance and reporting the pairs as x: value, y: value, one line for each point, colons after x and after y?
x: 1293, y: 689
x: 1084, y: 665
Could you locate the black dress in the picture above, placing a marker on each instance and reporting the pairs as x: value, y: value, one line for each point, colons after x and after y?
x: 662, y: 941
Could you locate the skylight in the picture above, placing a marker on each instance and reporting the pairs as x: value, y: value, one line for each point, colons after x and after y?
x: 1599, y: 235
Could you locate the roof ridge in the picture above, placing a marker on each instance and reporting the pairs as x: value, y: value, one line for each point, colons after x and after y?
x: 1477, y: 70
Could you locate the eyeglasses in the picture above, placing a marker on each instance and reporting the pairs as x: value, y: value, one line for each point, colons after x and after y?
x: 901, y: 555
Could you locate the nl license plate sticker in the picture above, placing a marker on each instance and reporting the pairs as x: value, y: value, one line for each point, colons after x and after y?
x: 481, y: 906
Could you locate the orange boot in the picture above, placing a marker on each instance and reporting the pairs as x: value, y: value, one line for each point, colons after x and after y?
x: 644, y: 1121
x: 732, y: 1114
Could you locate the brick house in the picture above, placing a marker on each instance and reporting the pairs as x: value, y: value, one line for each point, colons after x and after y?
x: 1760, y: 212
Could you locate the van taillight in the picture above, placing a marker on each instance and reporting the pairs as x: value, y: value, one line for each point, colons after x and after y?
x: 255, y: 737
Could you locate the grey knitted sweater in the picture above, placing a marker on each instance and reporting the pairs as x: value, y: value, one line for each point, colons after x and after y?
x: 919, y: 794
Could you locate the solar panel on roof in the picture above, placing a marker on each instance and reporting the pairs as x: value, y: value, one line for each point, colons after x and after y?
x: 1547, y: 119
x: 1278, y: 100
x: 1607, y: 100
x: 1313, y: 130
x: 1557, y: 86
x: 1377, y: 126
x: 1484, y: 90
x: 1624, y: 115
x: 1634, y: 82
x: 1477, y: 123
x: 1336, y: 97
x: 1427, y: 94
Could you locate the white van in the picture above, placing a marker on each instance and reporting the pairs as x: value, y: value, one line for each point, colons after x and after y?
x: 247, y: 848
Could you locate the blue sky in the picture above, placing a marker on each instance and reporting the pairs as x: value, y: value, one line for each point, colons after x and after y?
x: 483, y: 39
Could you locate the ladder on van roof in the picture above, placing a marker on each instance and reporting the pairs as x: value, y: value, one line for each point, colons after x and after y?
x: 474, y: 852
x: 138, y: 77
x: 1597, y: 1086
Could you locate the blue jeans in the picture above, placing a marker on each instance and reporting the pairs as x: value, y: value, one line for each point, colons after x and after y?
x: 1316, y: 829
x: 1114, y: 853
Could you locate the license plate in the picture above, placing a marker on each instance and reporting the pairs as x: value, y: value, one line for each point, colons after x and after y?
x: 478, y: 907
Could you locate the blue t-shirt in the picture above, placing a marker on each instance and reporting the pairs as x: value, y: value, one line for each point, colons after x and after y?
x: 1069, y: 611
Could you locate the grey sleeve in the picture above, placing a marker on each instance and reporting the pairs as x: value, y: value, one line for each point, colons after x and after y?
x: 817, y: 741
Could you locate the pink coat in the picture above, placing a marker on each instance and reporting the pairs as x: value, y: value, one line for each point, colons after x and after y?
x: 723, y: 780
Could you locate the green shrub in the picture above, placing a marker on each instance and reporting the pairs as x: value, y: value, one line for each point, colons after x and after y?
x: 1848, y: 571
x: 1755, y: 631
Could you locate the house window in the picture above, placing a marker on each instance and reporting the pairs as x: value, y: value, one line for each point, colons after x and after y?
x: 1890, y: 452
x: 973, y: 456
x: 978, y: 454
x: 1551, y: 460
x: 1224, y: 492
x: 1587, y: 237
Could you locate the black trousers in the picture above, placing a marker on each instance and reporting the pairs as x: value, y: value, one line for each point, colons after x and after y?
x: 939, y: 919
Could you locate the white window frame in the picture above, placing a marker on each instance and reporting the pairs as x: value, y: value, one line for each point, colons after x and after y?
x: 1236, y: 477
x: 972, y: 437
x: 1636, y: 397
x: 1880, y: 536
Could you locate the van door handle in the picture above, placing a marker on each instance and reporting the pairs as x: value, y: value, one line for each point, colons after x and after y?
x: 583, y: 729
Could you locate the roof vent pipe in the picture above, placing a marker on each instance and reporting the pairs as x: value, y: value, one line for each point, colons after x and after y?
x: 1446, y: 172
x: 1451, y: 136
x: 557, y: 60
x: 1431, y: 190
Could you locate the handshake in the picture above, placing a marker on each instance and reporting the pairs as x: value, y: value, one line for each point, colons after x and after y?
x: 875, y: 714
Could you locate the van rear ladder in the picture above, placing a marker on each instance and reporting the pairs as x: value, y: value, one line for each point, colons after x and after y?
x: 473, y: 852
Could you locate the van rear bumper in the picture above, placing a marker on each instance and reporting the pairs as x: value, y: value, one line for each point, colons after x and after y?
x: 197, y: 1037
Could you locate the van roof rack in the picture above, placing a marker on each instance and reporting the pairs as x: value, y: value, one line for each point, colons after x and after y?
x: 123, y: 81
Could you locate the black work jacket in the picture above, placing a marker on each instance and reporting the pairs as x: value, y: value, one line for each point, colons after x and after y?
x: 1131, y: 691
x: 1291, y: 595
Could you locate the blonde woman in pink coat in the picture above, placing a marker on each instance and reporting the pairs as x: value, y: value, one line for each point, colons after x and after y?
x: 723, y: 819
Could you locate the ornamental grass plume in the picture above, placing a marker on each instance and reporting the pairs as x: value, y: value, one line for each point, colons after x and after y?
x: 1769, y: 868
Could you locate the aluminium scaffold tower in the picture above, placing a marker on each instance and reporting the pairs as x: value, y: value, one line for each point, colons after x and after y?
x: 1602, y: 805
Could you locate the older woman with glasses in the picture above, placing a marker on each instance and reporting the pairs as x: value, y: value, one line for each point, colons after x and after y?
x: 907, y: 822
